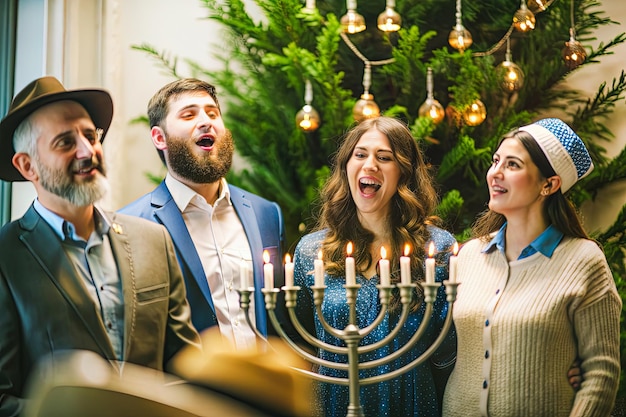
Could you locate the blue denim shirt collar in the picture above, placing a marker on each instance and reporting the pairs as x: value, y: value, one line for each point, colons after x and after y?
x: 545, y: 243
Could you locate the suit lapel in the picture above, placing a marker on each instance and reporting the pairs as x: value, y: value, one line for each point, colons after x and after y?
x: 37, y: 236
x: 167, y: 213
x: 124, y: 259
x: 248, y: 218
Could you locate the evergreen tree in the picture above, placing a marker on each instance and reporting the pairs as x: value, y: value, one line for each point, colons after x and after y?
x: 266, y: 64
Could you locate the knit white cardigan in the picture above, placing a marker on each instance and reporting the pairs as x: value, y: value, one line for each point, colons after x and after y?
x: 522, y: 324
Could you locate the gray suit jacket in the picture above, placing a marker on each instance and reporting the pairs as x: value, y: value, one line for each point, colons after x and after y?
x: 45, y: 306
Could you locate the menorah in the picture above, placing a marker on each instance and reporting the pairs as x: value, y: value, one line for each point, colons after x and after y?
x: 352, y: 334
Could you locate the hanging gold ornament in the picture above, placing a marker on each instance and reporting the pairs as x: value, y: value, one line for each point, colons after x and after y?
x: 308, y: 119
x: 475, y: 114
x: 524, y: 19
x: 352, y: 22
x: 459, y: 38
x: 574, y: 53
x: 431, y: 108
x: 510, y: 75
x: 389, y: 20
x: 365, y: 108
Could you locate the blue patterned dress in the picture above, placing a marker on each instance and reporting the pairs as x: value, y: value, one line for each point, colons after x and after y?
x: 413, y: 393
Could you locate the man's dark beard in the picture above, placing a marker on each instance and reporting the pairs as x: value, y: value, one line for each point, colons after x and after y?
x: 207, y: 168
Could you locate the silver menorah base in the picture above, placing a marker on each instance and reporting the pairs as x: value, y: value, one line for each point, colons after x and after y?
x: 352, y: 334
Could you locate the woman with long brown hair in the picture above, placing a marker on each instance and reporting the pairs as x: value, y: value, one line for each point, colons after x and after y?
x: 380, y: 194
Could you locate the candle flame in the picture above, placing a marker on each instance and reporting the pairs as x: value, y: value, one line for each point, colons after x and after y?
x: 348, y: 249
x: 319, y: 254
x: 383, y: 252
x: 407, y: 249
x: 287, y: 259
x: 455, y: 248
x: 431, y: 250
x: 266, y: 256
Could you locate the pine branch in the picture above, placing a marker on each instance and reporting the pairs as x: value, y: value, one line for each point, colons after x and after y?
x: 163, y: 59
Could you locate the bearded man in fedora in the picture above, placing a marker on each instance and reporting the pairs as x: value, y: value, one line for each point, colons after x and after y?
x: 73, y: 276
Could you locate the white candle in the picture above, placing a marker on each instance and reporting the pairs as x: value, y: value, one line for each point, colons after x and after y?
x: 430, y: 265
x: 288, y: 271
x: 244, y: 274
x: 453, y: 260
x: 319, y: 270
x: 383, y: 265
x: 268, y: 271
x: 350, y: 267
x: 405, y: 266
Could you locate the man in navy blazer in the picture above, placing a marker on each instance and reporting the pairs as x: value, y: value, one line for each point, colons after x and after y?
x: 219, y: 231
x: 73, y: 276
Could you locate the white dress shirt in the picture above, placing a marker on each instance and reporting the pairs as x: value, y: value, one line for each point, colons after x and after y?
x: 222, y: 246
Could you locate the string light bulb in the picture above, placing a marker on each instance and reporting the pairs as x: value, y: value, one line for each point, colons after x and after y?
x: 366, y: 107
x: 352, y: 22
x: 573, y: 54
x: 524, y: 19
x: 459, y: 38
x: 431, y: 108
x: 475, y: 114
x: 389, y: 20
x: 510, y: 75
x: 308, y: 119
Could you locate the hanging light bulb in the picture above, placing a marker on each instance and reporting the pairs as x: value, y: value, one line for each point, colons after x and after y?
x: 459, y: 38
x: 307, y: 119
x: 510, y: 75
x: 389, y: 20
x: 524, y: 19
x: 352, y: 22
x: 475, y: 114
x: 431, y: 108
x: 573, y: 54
x: 366, y: 107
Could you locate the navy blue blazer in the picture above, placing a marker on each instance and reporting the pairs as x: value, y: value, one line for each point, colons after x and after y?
x: 263, y: 223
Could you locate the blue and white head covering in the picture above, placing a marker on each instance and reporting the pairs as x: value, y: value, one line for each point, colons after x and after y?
x: 565, y: 151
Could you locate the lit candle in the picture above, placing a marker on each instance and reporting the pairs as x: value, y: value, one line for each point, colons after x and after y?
x: 244, y: 274
x: 319, y: 270
x: 288, y: 271
x: 268, y: 271
x: 350, y: 268
x: 383, y: 265
x: 430, y: 264
x: 405, y: 266
x: 453, y: 260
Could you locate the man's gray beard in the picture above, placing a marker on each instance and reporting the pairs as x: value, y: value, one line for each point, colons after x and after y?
x: 197, y: 169
x: 62, y: 184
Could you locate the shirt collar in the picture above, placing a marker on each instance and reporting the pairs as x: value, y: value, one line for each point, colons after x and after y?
x: 545, y: 243
x: 66, y: 230
x: 183, y: 195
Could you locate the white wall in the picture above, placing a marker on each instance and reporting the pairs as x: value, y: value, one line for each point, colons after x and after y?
x: 177, y: 27
x: 604, y: 210
x: 81, y: 58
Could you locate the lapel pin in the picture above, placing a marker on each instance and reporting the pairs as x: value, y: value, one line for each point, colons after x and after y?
x: 117, y: 228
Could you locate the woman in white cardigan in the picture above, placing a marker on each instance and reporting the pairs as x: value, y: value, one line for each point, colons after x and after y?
x: 536, y: 293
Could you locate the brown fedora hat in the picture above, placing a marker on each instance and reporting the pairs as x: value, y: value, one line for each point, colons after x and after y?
x: 37, y: 94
